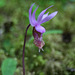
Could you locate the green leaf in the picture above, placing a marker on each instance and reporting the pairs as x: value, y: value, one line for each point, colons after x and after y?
x: 7, y: 44
x: 2, y: 3
x: 8, y: 66
x: 42, y: 73
x: 49, y: 32
x: 26, y: 14
x: 54, y: 32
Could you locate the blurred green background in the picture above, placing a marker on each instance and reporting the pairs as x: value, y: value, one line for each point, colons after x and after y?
x: 58, y: 57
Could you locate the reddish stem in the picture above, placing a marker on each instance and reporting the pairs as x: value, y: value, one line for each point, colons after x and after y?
x: 24, y: 49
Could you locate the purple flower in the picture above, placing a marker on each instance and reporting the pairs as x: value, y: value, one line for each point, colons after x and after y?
x: 38, y: 30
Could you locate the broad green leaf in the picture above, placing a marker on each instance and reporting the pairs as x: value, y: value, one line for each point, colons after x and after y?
x: 7, y: 44
x: 8, y: 66
x: 2, y: 3
x: 49, y: 32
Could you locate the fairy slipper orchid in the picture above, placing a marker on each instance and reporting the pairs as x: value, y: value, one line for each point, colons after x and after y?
x: 38, y: 30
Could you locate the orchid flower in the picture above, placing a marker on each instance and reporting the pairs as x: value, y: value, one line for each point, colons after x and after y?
x: 38, y: 30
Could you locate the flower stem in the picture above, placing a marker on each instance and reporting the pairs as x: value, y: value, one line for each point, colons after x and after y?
x: 24, y: 50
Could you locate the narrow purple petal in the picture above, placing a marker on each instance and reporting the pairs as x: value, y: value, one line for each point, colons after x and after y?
x: 49, y: 17
x: 40, y: 29
x: 30, y: 16
x: 44, y: 16
x: 33, y: 16
x: 42, y: 13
